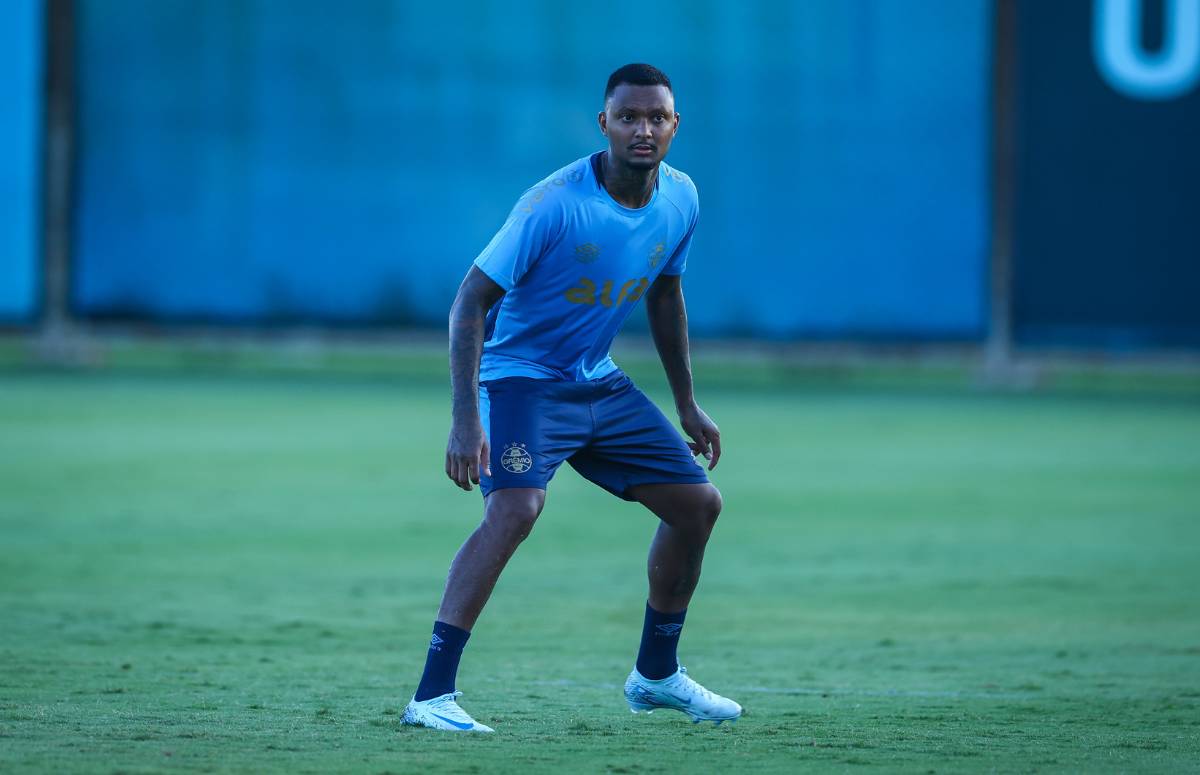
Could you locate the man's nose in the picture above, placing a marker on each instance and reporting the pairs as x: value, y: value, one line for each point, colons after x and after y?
x: 643, y: 129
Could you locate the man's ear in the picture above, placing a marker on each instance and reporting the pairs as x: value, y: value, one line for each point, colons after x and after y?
x: 602, y: 120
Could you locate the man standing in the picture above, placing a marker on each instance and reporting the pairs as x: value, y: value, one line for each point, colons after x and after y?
x: 533, y: 386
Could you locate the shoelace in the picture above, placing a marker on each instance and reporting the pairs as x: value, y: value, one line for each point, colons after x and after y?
x: 692, y: 686
x: 447, y: 705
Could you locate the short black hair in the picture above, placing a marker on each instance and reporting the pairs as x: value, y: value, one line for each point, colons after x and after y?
x: 637, y: 75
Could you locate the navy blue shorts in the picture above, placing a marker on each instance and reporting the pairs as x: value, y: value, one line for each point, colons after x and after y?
x: 608, y: 430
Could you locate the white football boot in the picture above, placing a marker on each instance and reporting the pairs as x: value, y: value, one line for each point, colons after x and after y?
x: 679, y: 692
x: 442, y: 713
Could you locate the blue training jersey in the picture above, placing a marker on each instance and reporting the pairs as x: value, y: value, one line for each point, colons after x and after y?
x: 573, y: 263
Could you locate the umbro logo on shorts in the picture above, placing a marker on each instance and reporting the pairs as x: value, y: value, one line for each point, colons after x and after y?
x: 668, y: 629
x: 516, y: 459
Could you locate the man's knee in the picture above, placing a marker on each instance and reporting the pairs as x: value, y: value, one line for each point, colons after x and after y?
x: 697, y: 510
x: 710, y: 505
x: 512, y: 513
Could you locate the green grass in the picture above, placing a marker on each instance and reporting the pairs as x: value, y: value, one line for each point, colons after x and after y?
x: 238, y: 572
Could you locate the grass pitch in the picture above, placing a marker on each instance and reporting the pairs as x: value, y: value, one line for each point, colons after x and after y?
x: 238, y: 573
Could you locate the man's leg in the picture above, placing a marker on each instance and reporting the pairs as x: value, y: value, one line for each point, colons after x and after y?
x: 688, y: 513
x: 508, y: 517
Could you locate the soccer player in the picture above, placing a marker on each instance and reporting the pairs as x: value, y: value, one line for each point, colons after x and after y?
x: 534, y: 385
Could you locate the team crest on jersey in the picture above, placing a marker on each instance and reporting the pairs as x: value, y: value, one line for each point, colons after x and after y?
x: 587, y: 252
x: 658, y: 254
x: 516, y: 459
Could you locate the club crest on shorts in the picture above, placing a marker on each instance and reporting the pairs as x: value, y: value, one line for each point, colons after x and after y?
x: 516, y: 459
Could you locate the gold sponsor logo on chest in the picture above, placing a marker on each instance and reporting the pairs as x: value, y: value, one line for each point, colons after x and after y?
x: 586, y: 292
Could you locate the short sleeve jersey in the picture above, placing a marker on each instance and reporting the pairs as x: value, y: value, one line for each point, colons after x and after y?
x: 573, y: 263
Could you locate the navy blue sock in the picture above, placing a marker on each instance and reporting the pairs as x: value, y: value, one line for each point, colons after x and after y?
x: 660, y: 637
x: 441, y: 664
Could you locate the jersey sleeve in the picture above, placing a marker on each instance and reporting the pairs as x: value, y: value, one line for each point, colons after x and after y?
x: 532, y: 228
x: 678, y: 262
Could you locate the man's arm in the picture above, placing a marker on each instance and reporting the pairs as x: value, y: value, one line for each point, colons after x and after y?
x: 467, y: 449
x: 668, y: 325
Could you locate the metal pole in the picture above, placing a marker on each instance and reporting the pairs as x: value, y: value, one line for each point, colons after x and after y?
x: 999, y: 346
x: 59, y: 135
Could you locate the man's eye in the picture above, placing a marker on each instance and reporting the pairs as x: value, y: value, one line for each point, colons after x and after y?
x: 627, y: 117
x: 660, y: 119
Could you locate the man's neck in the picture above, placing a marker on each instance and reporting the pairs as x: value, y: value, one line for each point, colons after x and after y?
x: 631, y: 187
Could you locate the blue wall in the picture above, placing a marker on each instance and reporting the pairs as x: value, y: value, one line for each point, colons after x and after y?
x: 20, y: 158
x: 246, y: 160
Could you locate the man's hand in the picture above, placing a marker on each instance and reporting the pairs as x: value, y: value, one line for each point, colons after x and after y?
x: 706, y: 438
x: 466, y: 452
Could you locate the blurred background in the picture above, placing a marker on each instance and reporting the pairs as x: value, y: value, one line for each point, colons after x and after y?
x: 1000, y: 175
x: 944, y: 306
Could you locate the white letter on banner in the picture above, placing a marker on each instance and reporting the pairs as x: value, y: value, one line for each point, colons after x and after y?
x: 1128, y: 67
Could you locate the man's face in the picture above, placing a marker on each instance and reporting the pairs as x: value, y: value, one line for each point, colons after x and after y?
x: 640, y: 122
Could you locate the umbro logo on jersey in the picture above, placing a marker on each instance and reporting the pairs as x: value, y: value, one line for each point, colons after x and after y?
x: 587, y: 252
x: 668, y: 629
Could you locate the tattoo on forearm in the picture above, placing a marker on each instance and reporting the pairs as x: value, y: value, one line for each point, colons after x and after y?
x: 468, y: 315
x: 466, y: 347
